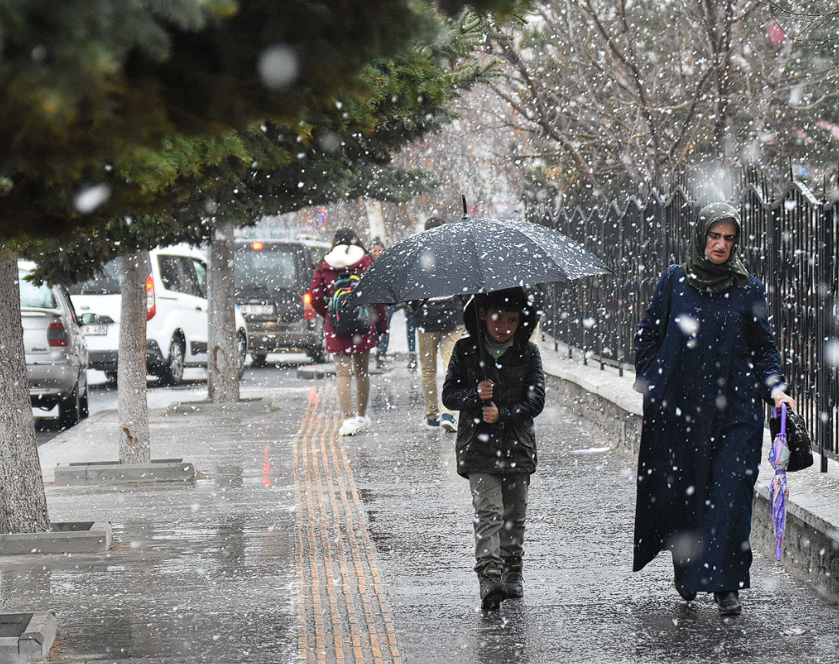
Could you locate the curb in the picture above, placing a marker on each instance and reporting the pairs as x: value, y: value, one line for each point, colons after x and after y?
x: 327, y: 370
x: 609, y: 407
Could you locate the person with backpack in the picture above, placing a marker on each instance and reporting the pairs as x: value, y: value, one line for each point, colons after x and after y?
x: 351, y: 331
x: 439, y: 326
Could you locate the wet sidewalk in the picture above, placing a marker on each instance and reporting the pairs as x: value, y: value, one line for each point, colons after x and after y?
x: 295, y: 545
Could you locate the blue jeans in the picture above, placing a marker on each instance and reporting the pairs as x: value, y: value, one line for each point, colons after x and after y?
x: 410, y: 329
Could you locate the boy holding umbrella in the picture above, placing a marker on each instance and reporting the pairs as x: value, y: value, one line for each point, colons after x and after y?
x: 498, y: 397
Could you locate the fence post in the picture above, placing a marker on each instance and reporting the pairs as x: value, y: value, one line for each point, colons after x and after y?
x: 825, y: 398
x: 774, y: 251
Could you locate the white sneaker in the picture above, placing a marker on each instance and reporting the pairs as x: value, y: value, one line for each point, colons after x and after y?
x: 350, y: 427
x: 363, y: 423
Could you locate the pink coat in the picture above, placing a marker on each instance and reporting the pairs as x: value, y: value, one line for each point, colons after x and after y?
x: 344, y: 257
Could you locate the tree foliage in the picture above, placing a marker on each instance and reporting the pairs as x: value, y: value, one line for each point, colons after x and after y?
x: 615, y: 93
x: 93, y: 90
x: 269, y: 167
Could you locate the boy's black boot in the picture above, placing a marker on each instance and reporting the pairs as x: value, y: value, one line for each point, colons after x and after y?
x: 493, y: 590
x: 513, y: 577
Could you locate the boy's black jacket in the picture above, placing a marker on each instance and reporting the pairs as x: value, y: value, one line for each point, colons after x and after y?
x: 508, y: 446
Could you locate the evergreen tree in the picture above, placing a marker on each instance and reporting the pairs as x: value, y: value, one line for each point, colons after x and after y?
x: 344, y: 151
x: 139, y: 117
x: 88, y: 85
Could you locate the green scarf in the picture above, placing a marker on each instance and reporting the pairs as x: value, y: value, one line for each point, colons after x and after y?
x: 701, y: 273
x: 495, y: 348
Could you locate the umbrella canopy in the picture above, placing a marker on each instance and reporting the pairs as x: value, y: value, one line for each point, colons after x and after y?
x: 474, y: 256
x: 779, y: 492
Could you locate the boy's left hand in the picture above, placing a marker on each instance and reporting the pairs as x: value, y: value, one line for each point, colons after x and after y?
x: 491, y: 413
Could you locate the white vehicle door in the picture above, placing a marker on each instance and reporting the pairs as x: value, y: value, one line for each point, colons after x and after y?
x: 180, y: 298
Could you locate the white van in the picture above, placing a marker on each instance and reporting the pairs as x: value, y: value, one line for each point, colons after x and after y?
x: 176, y: 331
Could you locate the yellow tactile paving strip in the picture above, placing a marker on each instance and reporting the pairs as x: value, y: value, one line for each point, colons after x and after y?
x: 343, y: 613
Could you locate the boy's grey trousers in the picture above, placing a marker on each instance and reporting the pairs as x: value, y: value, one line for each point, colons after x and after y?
x: 500, y: 504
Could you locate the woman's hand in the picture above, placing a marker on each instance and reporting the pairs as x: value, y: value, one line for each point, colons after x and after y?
x: 485, y: 390
x: 781, y: 397
x: 491, y: 413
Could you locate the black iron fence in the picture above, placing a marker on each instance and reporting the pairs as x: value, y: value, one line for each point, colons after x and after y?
x: 790, y: 242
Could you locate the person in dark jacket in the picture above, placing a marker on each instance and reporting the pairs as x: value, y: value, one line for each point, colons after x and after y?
x: 377, y: 248
x: 705, y: 362
x: 439, y: 322
x: 350, y: 352
x: 496, y: 440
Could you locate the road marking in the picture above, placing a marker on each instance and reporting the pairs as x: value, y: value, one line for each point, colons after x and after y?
x: 343, y: 612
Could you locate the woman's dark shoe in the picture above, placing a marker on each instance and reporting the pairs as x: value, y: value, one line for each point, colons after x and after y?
x: 728, y: 603
x: 684, y: 593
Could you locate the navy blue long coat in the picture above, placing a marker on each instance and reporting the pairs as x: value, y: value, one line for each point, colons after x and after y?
x: 705, y: 362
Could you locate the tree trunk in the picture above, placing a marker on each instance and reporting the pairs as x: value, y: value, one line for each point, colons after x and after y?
x: 223, y: 374
x: 375, y: 219
x: 23, y: 504
x: 134, y: 443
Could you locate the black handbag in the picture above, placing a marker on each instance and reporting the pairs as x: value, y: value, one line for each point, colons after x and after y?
x: 798, y: 440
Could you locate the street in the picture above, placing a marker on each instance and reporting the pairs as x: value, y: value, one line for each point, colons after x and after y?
x: 103, y: 395
x: 295, y: 545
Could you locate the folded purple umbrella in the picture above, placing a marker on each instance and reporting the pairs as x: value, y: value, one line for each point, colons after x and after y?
x: 779, y: 492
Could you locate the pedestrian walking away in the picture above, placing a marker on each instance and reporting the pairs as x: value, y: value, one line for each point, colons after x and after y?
x: 705, y: 363
x: 496, y: 440
x: 377, y: 248
x: 341, y: 268
x: 439, y: 322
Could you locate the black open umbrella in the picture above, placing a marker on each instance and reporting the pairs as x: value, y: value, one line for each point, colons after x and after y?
x: 474, y: 256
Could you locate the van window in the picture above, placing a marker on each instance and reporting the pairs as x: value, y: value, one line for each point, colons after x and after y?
x: 201, y: 275
x: 273, y: 268
x: 35, y: 296
x: 170, y: 273
x: 178, y: 274
x: 106, y: 283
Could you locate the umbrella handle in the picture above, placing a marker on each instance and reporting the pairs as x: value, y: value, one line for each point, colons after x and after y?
x: 482, y: 354
x: 783, y: 418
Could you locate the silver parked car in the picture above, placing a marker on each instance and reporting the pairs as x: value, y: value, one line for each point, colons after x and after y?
x: 56, y: 350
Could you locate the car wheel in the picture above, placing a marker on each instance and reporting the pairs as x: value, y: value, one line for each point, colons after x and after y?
x: 69, y: 410
x: 259, y: 359
x: 84, y: 409
x: 241, y: 353
x: 173, y: 370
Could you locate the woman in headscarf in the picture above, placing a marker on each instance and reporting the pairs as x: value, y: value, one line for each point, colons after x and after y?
x: 705, y: 362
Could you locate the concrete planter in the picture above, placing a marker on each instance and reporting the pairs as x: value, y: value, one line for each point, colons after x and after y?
x: 62, y: 537
x: 237, y: 408
x: 26, y: 637
x: 115, y: 473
